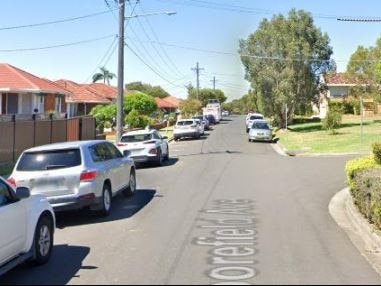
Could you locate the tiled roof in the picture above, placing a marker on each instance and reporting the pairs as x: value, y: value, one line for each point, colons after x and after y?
x: 105, y: 90
x: 81, y: 93
x: 13, y: 79
x: 161, y: 103
x: 342, y: 79
x: 173, y: 100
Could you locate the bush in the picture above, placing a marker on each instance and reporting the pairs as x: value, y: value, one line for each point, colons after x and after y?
x: 377, y: 152
x: 135, y: 120
x: 332, y: 121
x: 353, y: 167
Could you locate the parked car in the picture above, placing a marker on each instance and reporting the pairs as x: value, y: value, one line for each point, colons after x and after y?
x: 204, y: 120
x: 186, y: 128
x: 27, y: 227
x: 260, y: 130
x: 200, y: 126
x: 250, y: 119
x: 211, y: 119
x: 74, y: 175
x: 225, y: 113
x: 144, y: 146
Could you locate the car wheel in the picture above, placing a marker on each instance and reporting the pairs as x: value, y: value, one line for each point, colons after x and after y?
x: 160, y: 158
x: 106, y: 200
x: 166, y: 157
x: 249, y: 140
x: 43, y: 241
x: 130, y: 190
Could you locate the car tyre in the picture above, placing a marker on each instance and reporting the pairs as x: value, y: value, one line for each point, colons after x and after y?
x: 160, y: 159
x: 166, y: 157
x: 43, y: 241
x: 106, y: 200
x: 131, y: 189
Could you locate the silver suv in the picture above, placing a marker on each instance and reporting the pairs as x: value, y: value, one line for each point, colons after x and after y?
x: 75, y: 175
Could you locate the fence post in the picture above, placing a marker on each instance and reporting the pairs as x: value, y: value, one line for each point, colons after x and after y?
x: 14, y: 137
x: 80, y: 129
x: 51, y: 127
x: 34, y: 129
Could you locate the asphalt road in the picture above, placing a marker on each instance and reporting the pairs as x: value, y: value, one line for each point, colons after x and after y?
x: 222, y: 210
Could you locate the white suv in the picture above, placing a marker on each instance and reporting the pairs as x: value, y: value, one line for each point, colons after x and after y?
x: 74, y: 175
x: 186, y: 128
x: 27, y: 226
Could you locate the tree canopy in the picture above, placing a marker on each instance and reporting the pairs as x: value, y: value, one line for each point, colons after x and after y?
x: 155, y: 91
x: 104, y: 75
x: 283, y: 60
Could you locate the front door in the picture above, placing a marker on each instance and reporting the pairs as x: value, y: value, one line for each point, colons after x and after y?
x: 13, y: 103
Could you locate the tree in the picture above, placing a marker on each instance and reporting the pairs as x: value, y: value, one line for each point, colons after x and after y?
x: 104, y: 115
x: 142, y: 103
x: 155, y: 91
x: 283, y: 60
x: 206, y: 94
x: 190, y: 107
x: 104, y: 75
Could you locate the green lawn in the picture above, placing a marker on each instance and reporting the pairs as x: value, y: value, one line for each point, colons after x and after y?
x: 311, y: 138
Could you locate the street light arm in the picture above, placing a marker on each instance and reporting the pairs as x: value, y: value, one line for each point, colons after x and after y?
x: 171, y: 13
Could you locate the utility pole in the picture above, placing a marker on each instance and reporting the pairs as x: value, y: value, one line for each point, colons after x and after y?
x: 214, y: 82
x: 197, y: 70
x: 120, y: 98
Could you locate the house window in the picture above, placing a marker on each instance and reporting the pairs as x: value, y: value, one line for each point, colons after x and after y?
x: 58, y: 104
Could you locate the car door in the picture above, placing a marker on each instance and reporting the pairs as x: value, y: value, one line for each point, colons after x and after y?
x: 119, y: 165
x: 12, y: 223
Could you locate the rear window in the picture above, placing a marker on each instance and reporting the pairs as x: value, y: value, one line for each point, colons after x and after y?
x: 255, y: 117
x: 136, y: 138
x: 49, y: 160
x: 185, y: 123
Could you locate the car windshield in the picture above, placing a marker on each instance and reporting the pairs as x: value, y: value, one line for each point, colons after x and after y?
x: 49, y: 160
x: 185, y: 123
x: 136, y: 138
x: 260, y: 125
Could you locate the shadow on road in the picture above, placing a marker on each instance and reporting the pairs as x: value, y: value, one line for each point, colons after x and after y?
x: 122, y: 208
x: 64, y: 264
x: 169, y: 162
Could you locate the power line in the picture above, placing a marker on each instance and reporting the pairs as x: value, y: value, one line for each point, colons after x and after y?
x: 57, y: 46
x: 55, y: 22
x: 151, y: 68
x: 157, y: 39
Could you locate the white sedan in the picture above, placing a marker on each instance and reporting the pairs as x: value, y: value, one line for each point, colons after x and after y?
x: 145, y: 146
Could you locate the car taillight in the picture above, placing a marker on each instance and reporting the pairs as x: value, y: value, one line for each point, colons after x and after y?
x: 121, y: 144
x: 153, y: 151
x: 88, y: 176
x: 12, y: 182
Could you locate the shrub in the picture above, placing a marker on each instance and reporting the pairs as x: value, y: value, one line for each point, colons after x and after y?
x: 135, y: 120
x: 377, y: 152
x: 332, y: 121
x: 355, y: 166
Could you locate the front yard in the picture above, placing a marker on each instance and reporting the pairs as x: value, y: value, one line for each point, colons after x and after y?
x: 311, y: 138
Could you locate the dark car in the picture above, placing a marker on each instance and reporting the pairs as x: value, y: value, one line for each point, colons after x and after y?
x: 211, y: 119
x: 204, y: 120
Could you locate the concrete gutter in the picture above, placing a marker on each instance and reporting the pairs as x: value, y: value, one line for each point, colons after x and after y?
x: 363, y: 235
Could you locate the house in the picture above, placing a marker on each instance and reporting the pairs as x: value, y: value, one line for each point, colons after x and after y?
x: 339, y: 87
x: 24, y: 93
x: 165, y: 106
x: 84, y: 97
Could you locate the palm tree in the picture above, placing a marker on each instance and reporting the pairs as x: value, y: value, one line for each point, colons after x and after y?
x: 104, y: 75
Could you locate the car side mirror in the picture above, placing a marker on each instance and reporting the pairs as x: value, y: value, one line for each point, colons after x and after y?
x: 126, y: 153
x: 22, y: 193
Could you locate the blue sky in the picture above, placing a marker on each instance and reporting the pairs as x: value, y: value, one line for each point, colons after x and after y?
x: 169, y: 45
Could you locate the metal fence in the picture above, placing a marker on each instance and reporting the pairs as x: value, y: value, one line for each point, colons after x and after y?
x: 18, y: 133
